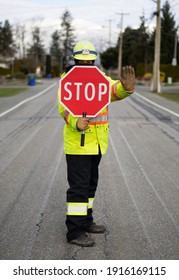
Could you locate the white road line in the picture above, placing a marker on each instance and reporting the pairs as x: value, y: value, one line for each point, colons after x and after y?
x: 157, y: 105
x: 26, y: 100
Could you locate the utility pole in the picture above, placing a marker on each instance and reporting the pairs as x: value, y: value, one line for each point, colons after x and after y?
x: 120, y: 45
x: 174, y: 60
x: 156, y: 71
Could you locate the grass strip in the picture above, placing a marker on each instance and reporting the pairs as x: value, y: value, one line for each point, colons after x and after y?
x: 7, y: 92
x: 170, y: 96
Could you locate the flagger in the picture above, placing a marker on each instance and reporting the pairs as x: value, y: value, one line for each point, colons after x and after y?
x: 83, y: 161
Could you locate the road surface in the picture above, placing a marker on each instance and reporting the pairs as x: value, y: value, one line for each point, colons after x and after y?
x: 138, y: 194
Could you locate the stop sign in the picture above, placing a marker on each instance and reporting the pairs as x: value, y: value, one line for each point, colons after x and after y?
x: 84, y: 89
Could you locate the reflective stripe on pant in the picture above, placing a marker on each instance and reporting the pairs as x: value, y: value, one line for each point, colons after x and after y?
x: 82, y: 174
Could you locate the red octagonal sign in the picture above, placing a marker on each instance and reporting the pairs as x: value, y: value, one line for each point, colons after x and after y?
x: 84, y: 89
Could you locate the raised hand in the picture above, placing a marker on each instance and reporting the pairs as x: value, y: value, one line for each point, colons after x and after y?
x: 128, y: 78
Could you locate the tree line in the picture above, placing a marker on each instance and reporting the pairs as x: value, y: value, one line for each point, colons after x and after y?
x: 138, y: 45
x: 30, y: 55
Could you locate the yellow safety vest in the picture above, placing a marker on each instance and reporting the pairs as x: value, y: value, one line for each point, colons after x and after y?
x: 97, y: 133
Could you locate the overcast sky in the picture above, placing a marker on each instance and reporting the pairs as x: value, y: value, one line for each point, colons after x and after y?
x: 96, y: 20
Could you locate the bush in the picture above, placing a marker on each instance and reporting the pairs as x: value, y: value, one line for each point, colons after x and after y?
x: 141, y: 69
x: 170, y: 71
x: 162, y: 77
x: 147, y: 76
x: 167, y: 70
x: 4, y: 71
x: 19, y: 75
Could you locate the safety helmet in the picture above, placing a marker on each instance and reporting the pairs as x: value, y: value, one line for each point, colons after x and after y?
x: 84, y: 50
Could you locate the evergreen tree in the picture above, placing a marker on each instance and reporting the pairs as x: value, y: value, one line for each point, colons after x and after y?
x: 36, y: 50
x: 168, y: 31
x: 130, y: 47
x: 135, y: 48
x: 7, y: 47
x: 135, y: 45
x: 109, y: 58
x: 143, y: 39
x: 55, y: 48
x: 48, y: 65
x: 67, y: 36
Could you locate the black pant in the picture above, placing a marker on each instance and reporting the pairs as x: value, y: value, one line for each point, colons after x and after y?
x: 82, y: 174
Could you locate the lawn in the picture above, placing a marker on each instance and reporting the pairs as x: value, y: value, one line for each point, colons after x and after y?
x: 171, y: 96
x: 7, y: 92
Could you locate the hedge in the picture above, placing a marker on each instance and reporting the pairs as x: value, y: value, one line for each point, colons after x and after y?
x: 4, y: 71
x: 168, y: 69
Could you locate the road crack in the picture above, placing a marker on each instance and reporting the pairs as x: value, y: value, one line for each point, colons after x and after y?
x: 38, y: 224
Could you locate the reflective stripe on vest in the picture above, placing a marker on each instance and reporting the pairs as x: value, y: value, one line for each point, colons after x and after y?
x: 66, y: 114
x: 102, y: 118
x: 90, y: 202
x: 77, y: 208
x: 114, y: 92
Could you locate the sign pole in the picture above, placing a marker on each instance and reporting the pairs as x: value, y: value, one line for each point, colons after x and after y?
x: 83, y: 133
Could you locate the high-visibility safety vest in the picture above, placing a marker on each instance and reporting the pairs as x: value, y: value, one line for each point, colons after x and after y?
x: 97, y: 133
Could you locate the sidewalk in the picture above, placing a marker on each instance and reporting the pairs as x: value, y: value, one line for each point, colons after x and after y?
x: 171, y: 105
x: 8, y: 102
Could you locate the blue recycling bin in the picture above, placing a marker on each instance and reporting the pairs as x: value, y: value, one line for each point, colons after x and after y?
x: 31, y: 80
x: 49, y: 76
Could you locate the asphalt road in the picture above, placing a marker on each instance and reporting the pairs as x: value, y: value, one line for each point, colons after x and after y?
x: 138, y: 194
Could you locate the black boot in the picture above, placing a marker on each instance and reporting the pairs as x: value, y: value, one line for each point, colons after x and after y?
x: 83, y: 240
x: 94, y: 228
